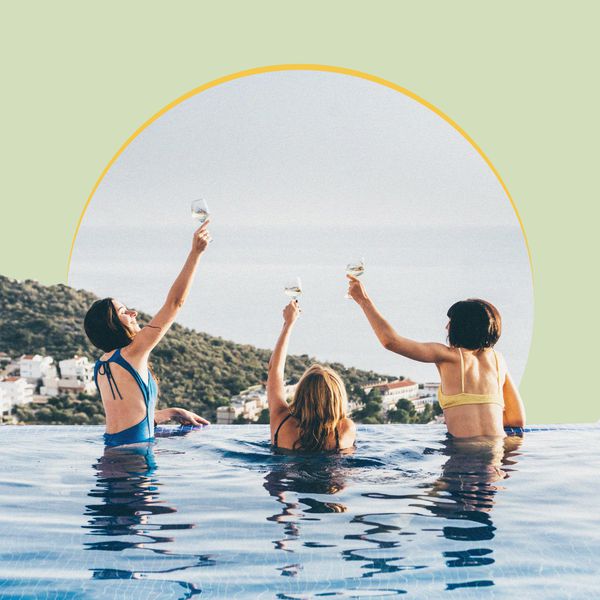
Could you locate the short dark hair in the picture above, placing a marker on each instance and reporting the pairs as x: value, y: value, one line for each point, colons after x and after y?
x: 474, y: 324
x: 103, y: 328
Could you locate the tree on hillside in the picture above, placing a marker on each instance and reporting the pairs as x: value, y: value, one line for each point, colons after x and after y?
x: 263, y: 418
x: 403, y: 412
x: 370, y: 411
x: 195, y: 370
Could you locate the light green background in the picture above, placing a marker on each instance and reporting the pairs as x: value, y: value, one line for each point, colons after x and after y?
x: 519, y: 77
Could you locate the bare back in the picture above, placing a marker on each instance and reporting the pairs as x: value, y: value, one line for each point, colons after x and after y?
x: 286, y: 434
x: 474, y: 385
x: 122, y: 413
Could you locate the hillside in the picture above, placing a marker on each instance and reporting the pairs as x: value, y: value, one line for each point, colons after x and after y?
x: 195, y: 370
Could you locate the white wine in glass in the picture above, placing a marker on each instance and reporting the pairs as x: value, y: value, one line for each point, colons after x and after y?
x: 355, y: 268
x: 200, y: 211
x: 293, y: 289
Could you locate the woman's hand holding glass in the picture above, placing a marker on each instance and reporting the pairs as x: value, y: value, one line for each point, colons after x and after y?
x: 201, y: 238
x: 356, y: 290
x: 291, y: 313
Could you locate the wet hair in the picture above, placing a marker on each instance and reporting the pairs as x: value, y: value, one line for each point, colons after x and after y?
x: 474, y: 324
x: 103, y: 327
x: 319, y: 404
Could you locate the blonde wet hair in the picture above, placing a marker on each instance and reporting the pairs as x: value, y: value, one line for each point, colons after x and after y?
x: 319, y: 404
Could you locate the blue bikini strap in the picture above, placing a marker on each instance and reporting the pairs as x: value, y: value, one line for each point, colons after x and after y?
x: 105, y: 366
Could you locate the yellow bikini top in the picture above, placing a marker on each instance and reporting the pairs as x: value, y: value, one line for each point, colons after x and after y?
x: 464, y: 398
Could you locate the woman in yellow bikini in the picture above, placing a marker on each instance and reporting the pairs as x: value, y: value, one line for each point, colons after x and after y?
x: 477, y: 394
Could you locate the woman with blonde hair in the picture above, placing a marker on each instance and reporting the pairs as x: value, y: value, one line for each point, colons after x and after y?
x: 316, y: 420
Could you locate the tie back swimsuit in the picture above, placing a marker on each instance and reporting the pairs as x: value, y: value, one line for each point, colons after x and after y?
x: 144, y: 430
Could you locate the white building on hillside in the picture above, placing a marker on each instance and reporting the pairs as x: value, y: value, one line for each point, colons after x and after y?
x: 422, y: 401
x: 5, y: 406
x: 78, y: 367
x: 392, y: 391
x: 35, y: 367
x: 16, y: 390
x: 76, y: 375
x: 49, y: 386
x: 428, y: 394
x: 430, y: 389
x: 226, y: 415
x: 248, y: 403
x: 76, y: 386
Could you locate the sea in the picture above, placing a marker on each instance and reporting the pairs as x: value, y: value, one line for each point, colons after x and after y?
x: 413, y: 274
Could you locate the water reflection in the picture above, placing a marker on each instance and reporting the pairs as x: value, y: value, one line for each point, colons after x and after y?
x: 302, y: 475
x: 122, y: 516
x: 463, y: 496
x: 470, y: 479
x: 461, y: 499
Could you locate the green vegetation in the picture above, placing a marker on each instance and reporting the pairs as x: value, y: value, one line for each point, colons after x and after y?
x: 405, y: 412
x: 263, y: 418
x: 195, y: 370
x: 370, y: 410
x: 82, y: 409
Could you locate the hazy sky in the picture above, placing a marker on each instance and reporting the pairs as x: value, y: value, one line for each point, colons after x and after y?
x: 303, y: 171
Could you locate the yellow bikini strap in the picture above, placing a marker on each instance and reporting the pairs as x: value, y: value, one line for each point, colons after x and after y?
x: 462, y: 372
x: 497, y: 369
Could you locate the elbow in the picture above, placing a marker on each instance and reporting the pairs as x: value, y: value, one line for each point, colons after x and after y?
x: 387, y: 343
x: 391, y: 346
x: 175, y: 302
x: 517, y: 422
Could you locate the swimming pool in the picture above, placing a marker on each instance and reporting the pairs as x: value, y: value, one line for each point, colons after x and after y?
x: 215, y: 513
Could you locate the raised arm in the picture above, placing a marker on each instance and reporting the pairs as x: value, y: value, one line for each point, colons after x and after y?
x: 429, y: 352
x: 514, y: 409
x: 278, y: 407
x: 151, y: 334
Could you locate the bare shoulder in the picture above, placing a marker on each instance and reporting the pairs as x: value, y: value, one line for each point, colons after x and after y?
x: 347, y: 425
x: 445, y: 354
x: 137, y: 360
x: 501, y: 362
x: 503, y: 373
x: 347, y: 433
x: 277, y: 416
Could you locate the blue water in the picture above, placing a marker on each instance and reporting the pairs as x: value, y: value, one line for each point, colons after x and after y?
x: 215, y: 513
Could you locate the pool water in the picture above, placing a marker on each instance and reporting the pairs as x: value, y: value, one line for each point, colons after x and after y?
x: 215, y: 513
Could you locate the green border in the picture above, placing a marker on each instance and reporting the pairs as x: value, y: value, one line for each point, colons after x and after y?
x: 518, y: 77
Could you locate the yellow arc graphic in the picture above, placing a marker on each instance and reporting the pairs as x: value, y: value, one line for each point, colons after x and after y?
x: 298, y: 67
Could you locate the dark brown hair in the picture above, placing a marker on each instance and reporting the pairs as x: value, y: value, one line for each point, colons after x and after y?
x: 105, y: 331
x: 474, y: 324
x: 103, y: 328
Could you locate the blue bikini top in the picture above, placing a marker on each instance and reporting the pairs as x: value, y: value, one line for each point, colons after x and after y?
x: 144, y: 430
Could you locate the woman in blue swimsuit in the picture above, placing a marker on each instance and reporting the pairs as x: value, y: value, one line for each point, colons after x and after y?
x: 125, y: 382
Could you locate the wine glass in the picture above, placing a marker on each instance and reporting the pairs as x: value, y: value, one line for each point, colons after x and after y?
x: 293, y: 288
x: 200, y: 211
x: 355, y: 268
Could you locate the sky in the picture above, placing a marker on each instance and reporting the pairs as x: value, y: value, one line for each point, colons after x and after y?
x: 303, y: 172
